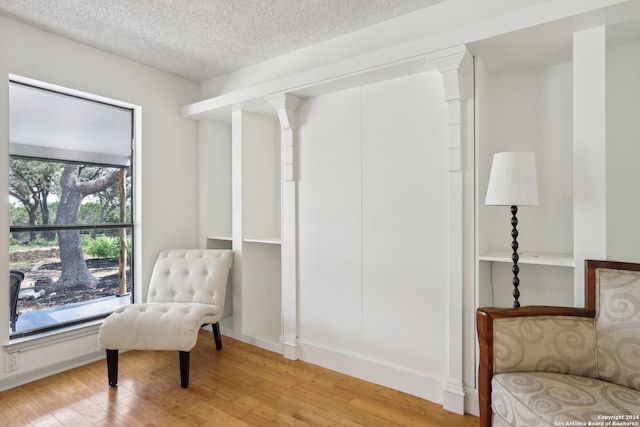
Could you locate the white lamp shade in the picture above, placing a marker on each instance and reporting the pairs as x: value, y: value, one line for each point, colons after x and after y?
x: 513, y: 180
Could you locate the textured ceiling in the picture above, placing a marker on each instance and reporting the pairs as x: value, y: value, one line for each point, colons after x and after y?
x: 201, y: 39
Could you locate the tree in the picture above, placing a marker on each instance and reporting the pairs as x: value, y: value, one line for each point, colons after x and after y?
x: 122, y: 259
x: 76, y: 183
x: 110, y: 202
x: 31, y: 182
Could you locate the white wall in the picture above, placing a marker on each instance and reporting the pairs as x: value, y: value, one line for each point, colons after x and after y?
x: 169, y: 163
x: 623, y: 152
x: 373, y: 232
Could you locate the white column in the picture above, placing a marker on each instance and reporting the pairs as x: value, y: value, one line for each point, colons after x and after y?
x: 456, y: 66
x: 589, y: 153
x: 236, y: 214
x: 287, y: 108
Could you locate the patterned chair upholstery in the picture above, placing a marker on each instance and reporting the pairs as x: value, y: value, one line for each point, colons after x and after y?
x: 550, y: 366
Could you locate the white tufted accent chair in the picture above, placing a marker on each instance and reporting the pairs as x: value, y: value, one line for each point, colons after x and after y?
x: 186, y: 291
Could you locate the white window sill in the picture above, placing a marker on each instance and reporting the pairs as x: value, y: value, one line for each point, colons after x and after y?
x: 53, y: 337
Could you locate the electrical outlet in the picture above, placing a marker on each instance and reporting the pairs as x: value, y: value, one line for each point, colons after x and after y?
x: 11, y: 362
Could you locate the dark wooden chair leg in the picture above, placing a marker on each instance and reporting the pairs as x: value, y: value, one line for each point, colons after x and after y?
x: 112, y: 367
x: 184, y: 369
x: 216, y: 335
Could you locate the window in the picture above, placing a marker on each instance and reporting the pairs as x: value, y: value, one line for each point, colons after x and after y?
x: 71, y: 210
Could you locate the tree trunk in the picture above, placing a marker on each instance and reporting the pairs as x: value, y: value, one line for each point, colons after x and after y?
x: 74, y: 267
x: 122, y: 265
x: 33, y: 218
x: 44, y: 208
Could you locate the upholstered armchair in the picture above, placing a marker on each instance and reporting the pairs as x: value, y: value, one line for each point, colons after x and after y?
x: 548, y: 366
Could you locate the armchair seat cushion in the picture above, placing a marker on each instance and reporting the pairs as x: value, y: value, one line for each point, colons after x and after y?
x: 156, y: 326
x: 542, y: 398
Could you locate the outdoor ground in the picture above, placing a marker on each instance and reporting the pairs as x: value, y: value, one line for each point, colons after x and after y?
x: 42, y: 275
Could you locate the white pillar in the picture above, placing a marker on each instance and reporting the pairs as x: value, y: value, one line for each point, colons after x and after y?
x: 236, y: 209
x: 589, y: 153
x: 456, y: 66
x: 287, y: 109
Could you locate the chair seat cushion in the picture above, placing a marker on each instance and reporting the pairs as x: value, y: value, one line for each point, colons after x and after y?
x: 156, y: 326
x: 542, y: 398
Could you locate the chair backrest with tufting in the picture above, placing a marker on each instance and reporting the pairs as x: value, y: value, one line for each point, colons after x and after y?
x: 191, y: 275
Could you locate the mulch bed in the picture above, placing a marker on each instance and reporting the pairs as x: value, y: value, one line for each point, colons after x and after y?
x: 42, y: 276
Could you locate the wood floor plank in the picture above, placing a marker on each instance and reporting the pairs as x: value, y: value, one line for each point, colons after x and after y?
x: 238, y: 386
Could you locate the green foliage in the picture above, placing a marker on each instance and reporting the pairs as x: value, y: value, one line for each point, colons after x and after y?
x: 90, y: 213
x: 22, y: 241
x: 43, y: 239
x: 18, y: 215
x: 101, y: 247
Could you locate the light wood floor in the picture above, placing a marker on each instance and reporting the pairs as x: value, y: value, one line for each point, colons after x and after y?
x: 240, y: 385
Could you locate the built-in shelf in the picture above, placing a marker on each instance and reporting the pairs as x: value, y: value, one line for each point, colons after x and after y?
x: 536, y: 258
x: 266, y: 240
x: 226, y: 238
x: 242, y: 212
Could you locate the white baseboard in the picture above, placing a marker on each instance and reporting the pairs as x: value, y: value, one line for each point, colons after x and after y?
x: 46, y: 371
x: 410, y: 382
x: 290, y: 348
x: 415, y: 383
x: 453, y: 397
x: 265, y: 344
x: 471, y: 401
